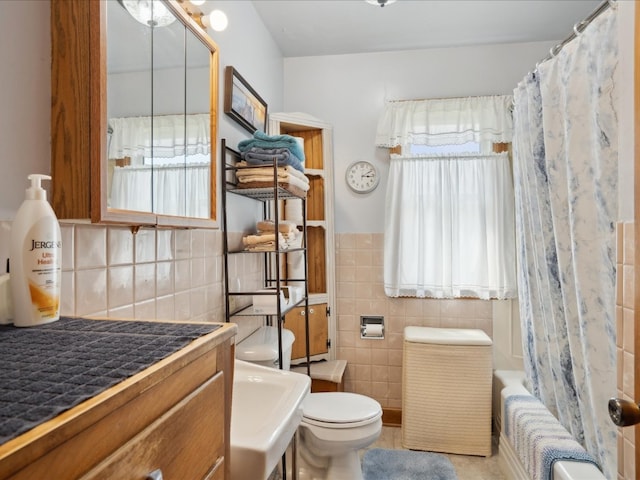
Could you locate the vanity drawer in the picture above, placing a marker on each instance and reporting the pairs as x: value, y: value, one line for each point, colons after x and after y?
x: 186, y: 442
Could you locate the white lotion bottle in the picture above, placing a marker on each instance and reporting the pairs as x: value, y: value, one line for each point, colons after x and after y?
x: 36, y: 259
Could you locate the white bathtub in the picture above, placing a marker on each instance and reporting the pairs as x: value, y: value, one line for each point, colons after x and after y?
x: 510, y: 382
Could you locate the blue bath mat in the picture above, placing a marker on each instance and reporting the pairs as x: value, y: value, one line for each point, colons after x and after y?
x: 384, y: 464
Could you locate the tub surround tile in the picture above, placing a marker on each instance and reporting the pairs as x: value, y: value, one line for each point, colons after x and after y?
x: 625, y: 321
x: 629, y: 249
x: 628, y: 330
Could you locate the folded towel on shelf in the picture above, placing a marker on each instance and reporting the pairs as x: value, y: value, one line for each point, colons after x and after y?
x: 282, y: 156
x: 538, y: 437
x: 284, y: 226
x: 261, y: 238
x: 262, y: 140
x: 291, y: 180
x: 264, y: 241
x: 262, y: 247
x: 283, y: 172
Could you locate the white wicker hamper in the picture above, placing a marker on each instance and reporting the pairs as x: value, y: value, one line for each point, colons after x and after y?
x: 446, y: 390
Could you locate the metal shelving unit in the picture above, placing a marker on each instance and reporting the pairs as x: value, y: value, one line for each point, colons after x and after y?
x: 270, y: 197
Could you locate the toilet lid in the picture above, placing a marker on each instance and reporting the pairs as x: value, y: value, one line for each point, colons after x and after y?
x: 340, y: 407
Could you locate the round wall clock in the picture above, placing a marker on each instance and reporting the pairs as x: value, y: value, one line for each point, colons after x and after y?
x: 362, y: 176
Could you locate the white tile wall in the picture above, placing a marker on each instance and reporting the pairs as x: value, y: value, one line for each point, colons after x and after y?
x: 154, y: 273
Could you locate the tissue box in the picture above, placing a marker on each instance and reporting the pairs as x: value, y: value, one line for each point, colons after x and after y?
x: 266, y: 304
x: 295, y: 294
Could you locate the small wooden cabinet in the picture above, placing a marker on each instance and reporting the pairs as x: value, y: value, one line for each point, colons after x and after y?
x: 318, y: 330
x: 174, y: 416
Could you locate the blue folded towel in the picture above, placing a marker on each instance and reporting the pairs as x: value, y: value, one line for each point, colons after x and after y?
x: 262, y: 140
x: 264, y: 156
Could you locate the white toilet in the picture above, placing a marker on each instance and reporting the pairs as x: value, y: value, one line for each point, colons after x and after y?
x: 335, y: 425
x: 261, y: 347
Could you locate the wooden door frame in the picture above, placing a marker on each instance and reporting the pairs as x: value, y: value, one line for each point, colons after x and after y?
x: 636, y: 219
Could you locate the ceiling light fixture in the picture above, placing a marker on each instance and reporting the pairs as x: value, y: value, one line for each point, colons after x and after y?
x: 149, y: 12
x: 380, y: 3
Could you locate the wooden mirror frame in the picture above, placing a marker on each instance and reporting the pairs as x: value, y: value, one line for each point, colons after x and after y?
x: 79, y: 116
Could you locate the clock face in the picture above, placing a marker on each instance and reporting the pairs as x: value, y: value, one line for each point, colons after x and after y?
x: 362, y: 177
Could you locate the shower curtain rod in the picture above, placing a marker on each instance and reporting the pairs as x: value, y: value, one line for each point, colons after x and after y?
x: 578, y: 28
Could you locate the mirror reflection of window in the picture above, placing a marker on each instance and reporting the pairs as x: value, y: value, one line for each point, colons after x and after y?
x: 159, y: 140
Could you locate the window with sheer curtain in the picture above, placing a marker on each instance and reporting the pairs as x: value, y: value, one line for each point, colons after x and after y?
x: 168, y: 168
x: 449, y: 219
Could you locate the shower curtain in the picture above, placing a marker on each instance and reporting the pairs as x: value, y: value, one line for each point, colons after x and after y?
x: 565, y: 175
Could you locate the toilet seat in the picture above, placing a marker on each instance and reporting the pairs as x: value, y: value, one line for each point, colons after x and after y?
x: 340, y: 410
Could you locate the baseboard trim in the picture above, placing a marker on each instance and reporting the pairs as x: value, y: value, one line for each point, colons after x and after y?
x: 392, y: 417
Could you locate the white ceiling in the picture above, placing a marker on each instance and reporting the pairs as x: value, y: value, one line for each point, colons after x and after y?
x: 330, y: 27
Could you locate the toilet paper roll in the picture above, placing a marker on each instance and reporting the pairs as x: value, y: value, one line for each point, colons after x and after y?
x: 373, y: 330
x: 293, y: 211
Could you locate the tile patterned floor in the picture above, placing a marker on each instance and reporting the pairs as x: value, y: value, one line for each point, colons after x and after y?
x: 467, y: 467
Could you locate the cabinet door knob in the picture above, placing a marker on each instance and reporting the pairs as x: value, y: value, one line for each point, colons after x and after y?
x: 155, y: 475
x: 624, y: 412
x: 303, y: 313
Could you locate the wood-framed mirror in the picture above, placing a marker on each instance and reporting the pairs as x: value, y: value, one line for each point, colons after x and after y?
x: 134, y: 116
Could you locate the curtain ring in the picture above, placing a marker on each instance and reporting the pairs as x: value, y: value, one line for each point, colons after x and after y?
x: 579, y: 27
x: 553, y: 51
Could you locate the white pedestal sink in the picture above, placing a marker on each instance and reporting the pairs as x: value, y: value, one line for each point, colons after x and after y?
x: 265, y: 412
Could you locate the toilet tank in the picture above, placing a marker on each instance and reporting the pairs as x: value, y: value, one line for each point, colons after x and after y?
x: 261, y: 347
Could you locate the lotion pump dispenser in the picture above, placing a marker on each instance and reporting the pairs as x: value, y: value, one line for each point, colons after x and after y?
x: 36, y: 259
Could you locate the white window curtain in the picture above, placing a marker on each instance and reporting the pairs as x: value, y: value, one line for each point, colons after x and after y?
x: 161, y: 136
x: 448, y: 121
x: 449, y: 227
x: 173, y: 187
x: 169, y: 190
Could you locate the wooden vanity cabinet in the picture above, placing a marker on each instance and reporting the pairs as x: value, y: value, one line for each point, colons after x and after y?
x: 174, y: 416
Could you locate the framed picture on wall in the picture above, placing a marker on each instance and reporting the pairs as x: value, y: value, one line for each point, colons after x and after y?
x: 242, y: 102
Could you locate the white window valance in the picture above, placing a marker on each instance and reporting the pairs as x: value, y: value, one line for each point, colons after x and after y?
x: 160, y: 136
x: 448, y: 121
